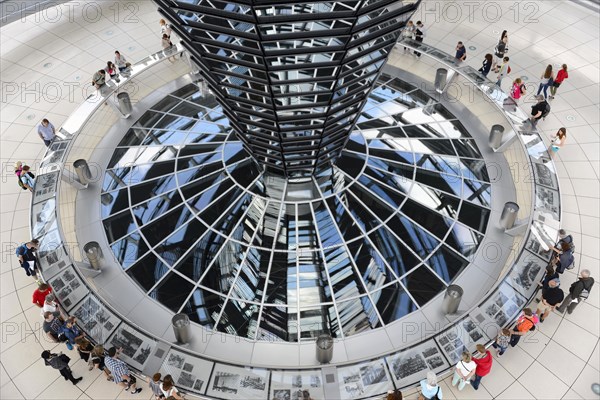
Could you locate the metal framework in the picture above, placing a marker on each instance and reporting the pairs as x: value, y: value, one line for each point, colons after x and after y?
x: 292, y: 77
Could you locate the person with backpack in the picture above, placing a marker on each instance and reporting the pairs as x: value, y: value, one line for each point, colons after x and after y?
x: 560, y: 77
x: 578, y: 292
x: 564, y: 260
x: 551, y: 298
x: 60, y: 362
x: 503, y: 70
x: 525, y: 323
x: 518, y: 89
x: 27, y: 179
x: 563, y: 237
x: 538, y: 111
x: 430, y: 390
x: 27, y: 259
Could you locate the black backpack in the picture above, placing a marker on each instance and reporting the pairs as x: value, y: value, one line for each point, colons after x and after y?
x: 546, y: 110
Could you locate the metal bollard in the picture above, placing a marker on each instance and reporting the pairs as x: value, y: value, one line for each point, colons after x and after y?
x: 124, y: 103
x: 324, y: 348
x: 94, y: 255
x: 452, y: 299
x: 509, y: 215
x: 181, y: 328
x: 496, y: 134
x: 83, y: 172
x: 441, y: 77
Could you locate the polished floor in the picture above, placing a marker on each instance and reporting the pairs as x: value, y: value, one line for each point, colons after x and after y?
x: 47, y: 61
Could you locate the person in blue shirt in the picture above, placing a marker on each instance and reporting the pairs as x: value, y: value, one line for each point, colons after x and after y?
x: 71, y: 331
x: 430, y: 388
x: 27, y: 178
x: 461, y: 52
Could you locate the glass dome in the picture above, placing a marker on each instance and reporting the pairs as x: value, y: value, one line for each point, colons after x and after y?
x: 203, y: 230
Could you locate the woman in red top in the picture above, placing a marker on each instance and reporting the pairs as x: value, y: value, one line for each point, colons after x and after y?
x: 484, y: 365
x: 560, y: 77
x: 39, y: 294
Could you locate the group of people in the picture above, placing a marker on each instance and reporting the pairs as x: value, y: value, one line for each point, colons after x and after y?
x: 112, y: 70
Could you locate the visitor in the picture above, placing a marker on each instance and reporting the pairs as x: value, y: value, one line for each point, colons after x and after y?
x: 394, y: 395
x: 558, y: 140
x: 85, y: 348
x: 563, y: 260
x: 121, y: 62
x: 461, y: 52
x: 46, y: 131
x: 551, y: 298
x: 486, y: 65
x: 154, y: 386
x: 563, y: 237
x: 98, y: 357
x: 165, y: 29
x: 419, y: 36
x: 539, y: 111
x: 27, y: 178
x: 525, y: 323
x: 99, y: 79
x: 167, y: 47
x: 430, y: 388
x: 484, y: 361
x: 502, y: 341
x: 560, y: 77
x: 518, y: 89
x: 500, y: 50
x: 27, y: 259
x: 550, y: 275
x: 547, y: 79
x: 167, y: 387
x: 39, y: 294
x: 578, y: 292
x: 51, y: 305
x: 408, y: 33
x: 52, y: 326
x: 463, y: 371
x: 71, y: 331
x: 61, y: 363
x: 112, y: 70
x: 503, y: 71
x: 120, y: 371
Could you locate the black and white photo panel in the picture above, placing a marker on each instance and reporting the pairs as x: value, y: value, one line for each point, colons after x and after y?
x: 295, y: 385
x: 230, y: 382
x: 188, y: 372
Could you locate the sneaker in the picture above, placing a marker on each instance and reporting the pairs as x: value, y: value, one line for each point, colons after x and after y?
x: 136, y: 391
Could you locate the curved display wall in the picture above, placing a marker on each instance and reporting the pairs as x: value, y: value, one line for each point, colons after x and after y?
x: 411, y: 168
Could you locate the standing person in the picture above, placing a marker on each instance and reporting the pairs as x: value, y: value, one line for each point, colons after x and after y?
x: 551, y: 298
x: 112, y: 70
x: 50, y: 304
x: 165, y: 29
x: 518, y: 89
x: 486, y: 65
x: 503, y: 70
x: 500, y: 50
x: 547, y: 79
x: 461, y: 52
x: 154, y: 385
x: 27, y: 178
x: 120, y: 371
x: 539, y: 111
x: 39, y: 294
x: 430, y: 387
x: 61, y: 363
x: 99, y: 79
x: 27, y: 259
x: 560, y: 77
x: 484, y: 362
x: 502, y: 342
x: 46, y: 131
x: 564, y: 259
x: 525, y: 323
x: 563, y: 237
x: 167, y: 46
x: 51, y: 326
x: 551, y: 275
x: 419, y: 36
x: 72, y: 331
x: 98, y: 357
x: 463, y: 371
x: 408, y: 33
x: 394, y: 395
x: 121, y: 62
x: 168, y: 388
x: 579, y: 291
x: 84, y: 348
x: 558, y: 140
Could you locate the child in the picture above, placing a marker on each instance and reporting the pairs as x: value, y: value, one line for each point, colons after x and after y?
x: 501, y: 343
x: 154, y: 385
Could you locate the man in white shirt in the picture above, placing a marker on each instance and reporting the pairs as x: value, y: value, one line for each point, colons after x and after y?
x: 46, y: 131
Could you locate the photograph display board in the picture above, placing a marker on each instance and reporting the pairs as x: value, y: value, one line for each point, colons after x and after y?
x: 547, y: 200
x: 136, y: 346
x: 504, y: 305
x: 55, y: 153
x: 45, y: 186
x: 463, y: 336
x: 539, y: 243
x: 230, y: 382
x: 52, y: 256
x: 364, y: 380
x: 43, y: 218
x: 291, y: 385
x: 95, y: 319
x: 68, y: 288
x: 188, y: 372
x: 411, y: 365
x: 526, y: 273
x: 544, y: 175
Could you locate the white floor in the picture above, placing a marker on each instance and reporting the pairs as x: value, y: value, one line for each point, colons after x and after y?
x: 47, y: 61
